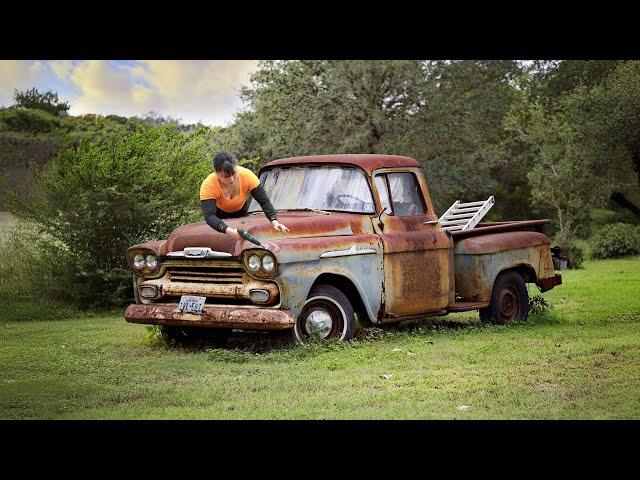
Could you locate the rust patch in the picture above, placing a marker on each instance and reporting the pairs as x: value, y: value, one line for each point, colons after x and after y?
x: 499, y: 242
x: 212, y: 317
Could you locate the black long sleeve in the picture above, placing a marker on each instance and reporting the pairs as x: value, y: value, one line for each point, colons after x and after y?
x: 209, y: 211
x: 261, y: 197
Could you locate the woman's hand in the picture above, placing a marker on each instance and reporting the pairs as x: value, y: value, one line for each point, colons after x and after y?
x: 279, y: 227
x: 233, y: 232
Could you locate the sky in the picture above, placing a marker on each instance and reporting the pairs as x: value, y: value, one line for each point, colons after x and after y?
x: 193, y: 91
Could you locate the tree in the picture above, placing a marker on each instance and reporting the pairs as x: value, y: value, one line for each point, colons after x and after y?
x: 47, y: 101
x: 584, y: 145
x: 447, y: 115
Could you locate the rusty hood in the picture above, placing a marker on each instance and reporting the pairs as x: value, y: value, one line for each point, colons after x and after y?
x: 301, y: 225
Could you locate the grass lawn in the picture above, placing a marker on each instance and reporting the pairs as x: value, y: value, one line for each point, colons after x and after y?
x: 580, y: 361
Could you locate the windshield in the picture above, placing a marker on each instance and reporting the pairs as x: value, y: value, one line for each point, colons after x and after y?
x: 343, y: 189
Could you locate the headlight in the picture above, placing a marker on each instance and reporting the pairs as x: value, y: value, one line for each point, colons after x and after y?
x: 254, y: 263
x: 138, y: 261
x: 152, y: 262
x: 260, y: 264
x: 268, y: 263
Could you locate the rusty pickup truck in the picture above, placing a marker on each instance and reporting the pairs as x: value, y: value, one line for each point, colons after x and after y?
x: 365, y: 246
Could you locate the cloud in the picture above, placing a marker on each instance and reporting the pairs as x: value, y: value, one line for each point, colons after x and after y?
x: 191, y: 90
x: 18, y: 74
x: 61, y: 68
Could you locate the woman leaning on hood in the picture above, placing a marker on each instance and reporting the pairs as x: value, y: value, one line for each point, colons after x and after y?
x: 224, y: 194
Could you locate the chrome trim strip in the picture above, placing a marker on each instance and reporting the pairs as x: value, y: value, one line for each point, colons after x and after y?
x: 354, y: 250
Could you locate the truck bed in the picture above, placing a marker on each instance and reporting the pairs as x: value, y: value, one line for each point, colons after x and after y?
x: 498, y: 227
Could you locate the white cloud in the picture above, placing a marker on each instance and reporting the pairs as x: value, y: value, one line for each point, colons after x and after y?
x: 192, y: 90
x: 61, y: 68
x: 17, y: 74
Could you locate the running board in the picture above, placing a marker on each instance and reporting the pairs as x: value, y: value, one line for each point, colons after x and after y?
x: 467, y: 306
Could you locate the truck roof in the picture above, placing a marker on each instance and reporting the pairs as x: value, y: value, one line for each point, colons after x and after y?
x: 368, y: 162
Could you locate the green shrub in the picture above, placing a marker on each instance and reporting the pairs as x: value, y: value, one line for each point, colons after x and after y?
x: 31, y: 121
x: 572, y: 250
x: 94, y: 201
x: 616, y: 240
x: 538, y: 305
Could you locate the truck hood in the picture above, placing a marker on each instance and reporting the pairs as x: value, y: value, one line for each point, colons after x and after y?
x: 300, y: 224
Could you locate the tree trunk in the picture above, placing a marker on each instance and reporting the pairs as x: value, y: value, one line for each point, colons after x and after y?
x: 623, y: 201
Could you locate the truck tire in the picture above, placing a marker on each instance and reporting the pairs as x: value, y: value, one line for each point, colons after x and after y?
x: 509, y: 300
x: 190, y: 336
x: 327, y: 315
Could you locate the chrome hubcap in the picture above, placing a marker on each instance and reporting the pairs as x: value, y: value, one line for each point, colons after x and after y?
x: 318, y: 324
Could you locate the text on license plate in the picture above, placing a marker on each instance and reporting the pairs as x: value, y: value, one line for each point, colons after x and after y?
x: 191, y: 304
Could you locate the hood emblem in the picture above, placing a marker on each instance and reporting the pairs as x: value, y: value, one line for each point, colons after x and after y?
x: 198, y: 252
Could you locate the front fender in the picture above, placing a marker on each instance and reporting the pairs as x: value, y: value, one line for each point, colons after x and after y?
x: 300, y: 268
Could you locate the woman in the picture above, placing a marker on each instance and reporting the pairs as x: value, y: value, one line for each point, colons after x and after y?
x: 223, y: 194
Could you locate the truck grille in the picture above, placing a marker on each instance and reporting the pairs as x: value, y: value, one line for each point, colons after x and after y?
x: 227, y: 275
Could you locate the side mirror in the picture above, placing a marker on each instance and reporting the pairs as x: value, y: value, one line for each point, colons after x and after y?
x: 380, y: 224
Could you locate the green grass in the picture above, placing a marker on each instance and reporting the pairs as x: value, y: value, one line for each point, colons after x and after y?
x: 580, y: 361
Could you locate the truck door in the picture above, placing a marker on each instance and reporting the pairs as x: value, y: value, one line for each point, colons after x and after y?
x: 418, y: 256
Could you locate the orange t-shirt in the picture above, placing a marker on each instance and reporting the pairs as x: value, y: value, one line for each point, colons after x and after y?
x: 211, y: 189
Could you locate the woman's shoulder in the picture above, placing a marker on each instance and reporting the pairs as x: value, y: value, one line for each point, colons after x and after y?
x: 245, y: 171
x: 210, y: 178
x: 248, y: 177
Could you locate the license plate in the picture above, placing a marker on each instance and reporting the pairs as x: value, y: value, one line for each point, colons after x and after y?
x: 191, y: 304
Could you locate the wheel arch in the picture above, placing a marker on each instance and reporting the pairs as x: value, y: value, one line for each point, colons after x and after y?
x: 346, y: 286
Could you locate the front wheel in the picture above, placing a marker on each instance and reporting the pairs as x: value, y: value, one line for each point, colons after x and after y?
x: 326, y: 315
x: 509, y: 300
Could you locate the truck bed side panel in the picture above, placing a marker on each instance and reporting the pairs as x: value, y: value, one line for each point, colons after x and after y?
x: 479, y: 260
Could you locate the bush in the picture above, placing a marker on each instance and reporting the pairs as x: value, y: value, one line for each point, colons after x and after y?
x: 617, y: 240
x: 31, y: 121
x: 94, y: 201
x: 572, y: 250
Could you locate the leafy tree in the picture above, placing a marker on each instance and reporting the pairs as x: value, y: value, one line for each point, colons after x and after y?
x: 445, y: 114
x: 47, y: 101
x: 96, y: 199
x: 584, y: 147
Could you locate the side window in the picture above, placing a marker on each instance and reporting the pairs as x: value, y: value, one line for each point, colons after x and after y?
x: 405, y: 194
x: 381, y: 185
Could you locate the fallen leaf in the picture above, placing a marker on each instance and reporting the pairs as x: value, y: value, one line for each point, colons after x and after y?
x: 411, y: 354
x: 386, y: 377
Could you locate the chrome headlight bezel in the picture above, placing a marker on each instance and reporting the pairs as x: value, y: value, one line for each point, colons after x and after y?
x: 261, y: 272
x: 143, y: 262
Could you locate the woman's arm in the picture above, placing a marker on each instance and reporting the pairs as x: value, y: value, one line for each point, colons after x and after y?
x: 261, y: 197
x: 209, y: 211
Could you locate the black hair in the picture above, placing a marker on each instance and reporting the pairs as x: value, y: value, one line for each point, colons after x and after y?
x: 224, y: 162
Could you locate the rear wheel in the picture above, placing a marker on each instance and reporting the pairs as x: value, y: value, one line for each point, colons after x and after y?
x: 509, y: 300
x: 326, y: 315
